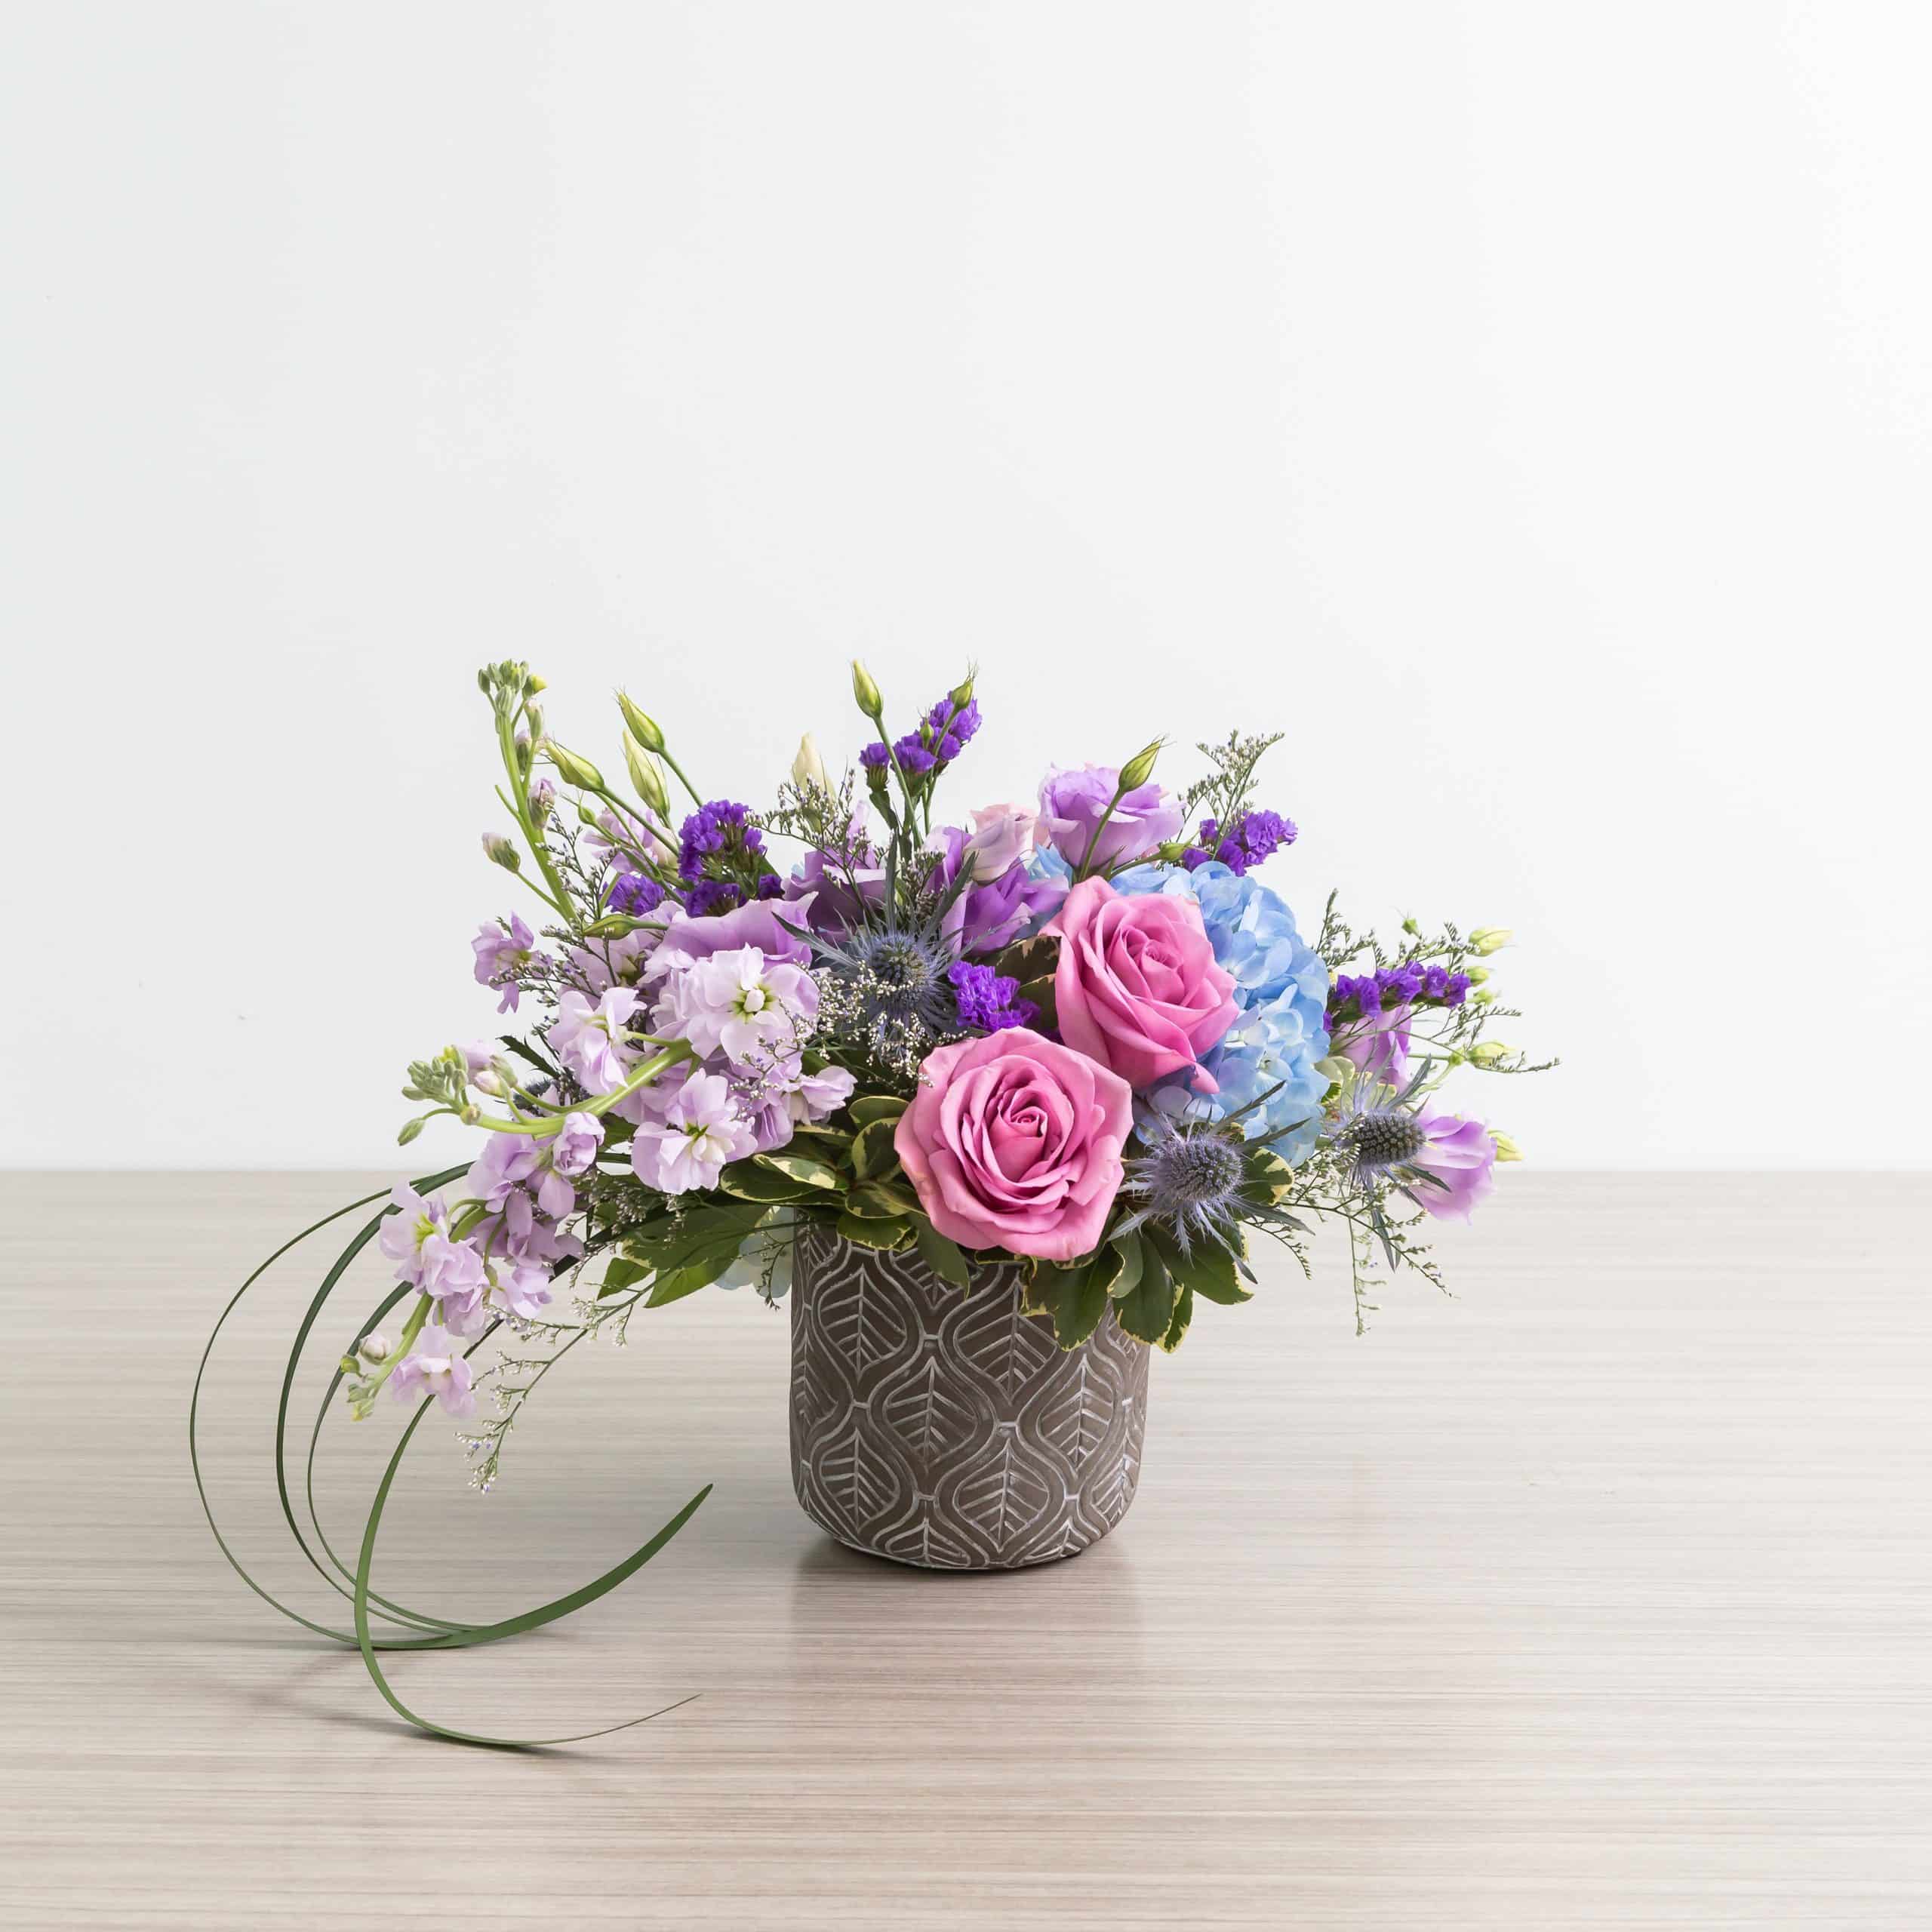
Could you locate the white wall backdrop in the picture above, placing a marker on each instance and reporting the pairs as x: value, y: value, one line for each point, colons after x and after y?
x: 1527, y: 408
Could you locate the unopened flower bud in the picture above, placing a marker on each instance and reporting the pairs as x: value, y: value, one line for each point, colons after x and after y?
x: 535, y: 717
x: 1337, y: 1066
x: 1491, y: 939
x: 646, y: 779
x: 572, y: 770
x: 641, y: 724
x: 410, y: 1129
x: 867, y: 692
x: 373, y: 1347
x: 808, y: 768
x: 522, y: 748
x: 1475, y: 975
x: 1411, y: 927
x: 1483, y: 996
x: 534, y: 683
x: 1135, y: 772
x: 488, y: 1081
x: 961, y: 695
x: 613, y: 925
x: 483, y: 681
x: 1487, y: 1052
x: 1506, y: 1149
x: 500, y: 851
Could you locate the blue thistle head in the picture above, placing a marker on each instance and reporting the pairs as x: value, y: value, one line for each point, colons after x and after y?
x: 1190, y: 1179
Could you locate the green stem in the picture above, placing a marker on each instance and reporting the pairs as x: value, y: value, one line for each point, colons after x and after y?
x: 526, y: 820
x: 411, y: 1329
x: 678, y: 771
x: 1087, y: 857
x: 641, y: 1075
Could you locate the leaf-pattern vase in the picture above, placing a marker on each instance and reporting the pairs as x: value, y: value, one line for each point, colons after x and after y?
x: 942, y: 1426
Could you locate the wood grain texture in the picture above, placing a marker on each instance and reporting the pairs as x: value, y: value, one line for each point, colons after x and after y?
x: 1601, y: 1596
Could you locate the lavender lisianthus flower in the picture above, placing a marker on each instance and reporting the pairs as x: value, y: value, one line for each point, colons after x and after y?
x: 991, y: 912
x: 1074, y: 800
x: 503, y: 951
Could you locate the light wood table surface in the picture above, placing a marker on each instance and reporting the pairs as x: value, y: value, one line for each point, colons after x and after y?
x: 1601, y: 1595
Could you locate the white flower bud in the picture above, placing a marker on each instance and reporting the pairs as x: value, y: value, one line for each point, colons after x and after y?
x: 808, y: 768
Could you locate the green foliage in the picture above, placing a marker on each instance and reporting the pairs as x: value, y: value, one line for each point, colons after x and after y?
x: 943, y: 1257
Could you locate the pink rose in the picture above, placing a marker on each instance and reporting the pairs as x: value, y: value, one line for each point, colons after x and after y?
x: 1014, y: 1141
x: 1137, y: 988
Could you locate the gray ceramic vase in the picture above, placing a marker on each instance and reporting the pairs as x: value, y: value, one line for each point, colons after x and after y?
x: 941, y: 1426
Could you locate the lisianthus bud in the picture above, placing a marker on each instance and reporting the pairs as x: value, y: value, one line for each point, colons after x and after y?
x: 867, y: 692
x: 572, y: 770
x: 1135, y: 772
x: 1484, y: 996
x: 1487, y: 1052
x: 613, y: 925
x: 373, y: 1347
x: 500, y: 851
x: 1336, y: 1067
x: 646, y: 781
x: 1475, y: 975
x: 961, y: 695
x: 1491, y: 939
x: 808, y: 768
x: 641, y: 724
x: 1411, y: 926
x: 1172, y: 852
x: 1506, y: 1149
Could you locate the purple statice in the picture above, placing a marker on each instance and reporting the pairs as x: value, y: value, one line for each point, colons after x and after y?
x: 875, y: 758
x: 914, y: 758
x: 1252, y: 838
x: 718, y: 831
x: 950, y: 727
x: 635, y: 894
x: 1368, y: 993
x: 989, y: 1001
x: 713, y: 895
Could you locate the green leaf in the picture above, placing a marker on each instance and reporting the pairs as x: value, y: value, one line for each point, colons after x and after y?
x: 943, y: 1257
x: 623, y: 1273
x: 1147, y: 1311
x: 1207, y: 1269
x: 1076, y: 1298
x: 873, y: 1152
x: 879, y: 1200
x: 1267, y: 1170
x: 1127, y: 1246
x: 1177, y: 1327
x: 807, y: 1168
x: 874, y: 1234
x: 869, y: 1108
x: 749, y: 1182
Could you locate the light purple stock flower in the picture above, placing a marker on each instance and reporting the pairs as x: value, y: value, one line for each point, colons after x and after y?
x: 588, y: 1039
x: 577, y: 1144
x: 1073, y: 801
x: 740, y: 1003
x: 417, y: 1239
x: 501, y: 954
x: 702, y: 1130
x: 436, y: 1367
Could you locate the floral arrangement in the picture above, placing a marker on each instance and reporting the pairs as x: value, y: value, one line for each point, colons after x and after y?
x: 1078, y: 1033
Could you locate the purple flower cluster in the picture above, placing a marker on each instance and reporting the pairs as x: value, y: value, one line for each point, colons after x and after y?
x: 941, y: 737
x: 1253, y: 837
x: 635, y: 894
x: 721, y: 827
x: 989, y: 1001
x: 1399, y: 986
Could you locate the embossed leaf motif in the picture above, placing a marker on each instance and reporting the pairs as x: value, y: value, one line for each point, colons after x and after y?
x: 1074, y: 1420
x: 866, y: 1323
x: 998, y: 1339
x: 1004, y: 1493
x: 855, y: 1478
x: 925, y: 1411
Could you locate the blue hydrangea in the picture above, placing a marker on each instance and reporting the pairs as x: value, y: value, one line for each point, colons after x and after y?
x: 1282, y: 988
